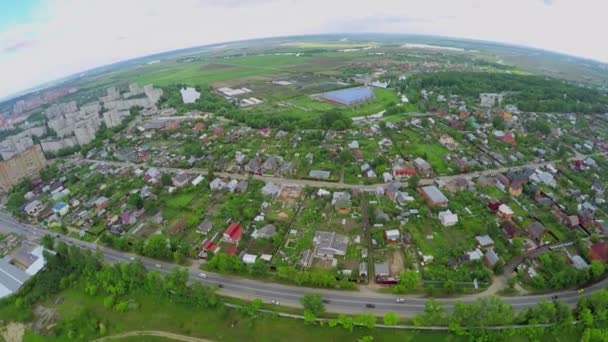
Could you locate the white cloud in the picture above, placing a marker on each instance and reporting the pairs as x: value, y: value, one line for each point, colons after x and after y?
x: 68, y: 36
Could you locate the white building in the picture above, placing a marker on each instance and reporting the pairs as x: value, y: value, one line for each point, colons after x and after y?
x: 448, y: 218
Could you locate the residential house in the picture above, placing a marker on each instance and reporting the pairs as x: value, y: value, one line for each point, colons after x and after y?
x: 509, y: 138
x: 152, y: 175
x: 61, y: 208
x: 241, y: 186
x: 578, y: 262
x: 231, y: 186
x: 599, y: 251
x: 484, y: 241
x: 249, y: 259
x: 33, y: 208
x: 319, y: 174
x: 381, y: 269
x: 447, y: 141
x: 447, y: 218
x: 181, y: 179
x: 205, y: 226
x: 392, y: 235
x: 101, y: 203
x: 387, y: 177
x: 270, y: 189
x: 392, y: 190
x: 433, y: 196
x: 329, y: 244
x: 423, y: 167
x: 536, y: 231
x: 128, y: 218
x: 494, y: 204
x: 403, y: 169
x: 509, y: 229
x: 217, y: 184
x: 505, y: 212
x: 491, y: 258
x: 358, y: 155
x: 233, y: 233
x: 265, y: 232
x: 196, y: 181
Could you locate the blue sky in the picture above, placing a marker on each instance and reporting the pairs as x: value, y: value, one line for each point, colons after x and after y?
x: 42, y: 40
x: 16, y: 11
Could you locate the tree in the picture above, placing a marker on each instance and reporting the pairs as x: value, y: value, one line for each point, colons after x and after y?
x: 135, y: 201
x: 586, y: 317
x: 367, y: 320
x: 597, y: 269
x: 413, y: 182
x: 346, y: 322
x: 366, y: 339
x: 409, y: 280
x: 390, y: 318
x: 252, y: 308
x: 165, y: 179
x: 309, y: 317
x: 499, y: 267
x: 433, y: 314
x: 47, y: 242
x: 313, y: 303
x: 498, y: 122
x: 156, y: 247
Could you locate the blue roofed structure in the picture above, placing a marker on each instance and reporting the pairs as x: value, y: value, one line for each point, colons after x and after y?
x: 349, y: 96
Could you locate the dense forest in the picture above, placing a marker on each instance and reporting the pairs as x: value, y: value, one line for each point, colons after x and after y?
x: 528, y: 92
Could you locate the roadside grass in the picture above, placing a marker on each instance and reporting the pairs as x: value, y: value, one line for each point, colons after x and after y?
x: 219, y: 324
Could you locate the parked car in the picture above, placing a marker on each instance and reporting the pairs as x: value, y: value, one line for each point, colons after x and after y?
x: 202, y: 275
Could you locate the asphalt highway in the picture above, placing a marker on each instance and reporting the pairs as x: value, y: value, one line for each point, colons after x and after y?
x: 339, y: 301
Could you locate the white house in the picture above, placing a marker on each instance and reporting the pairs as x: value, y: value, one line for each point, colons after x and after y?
x: 448, y: 218
x: 249, y: 258
x: 217, y: 184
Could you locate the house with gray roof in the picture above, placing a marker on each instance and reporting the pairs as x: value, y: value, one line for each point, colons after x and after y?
x: 329, y: 244
x: 270, y: 189
x: 265, y: 232
x: 319, y: 174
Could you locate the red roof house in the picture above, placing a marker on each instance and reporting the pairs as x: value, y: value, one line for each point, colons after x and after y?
x: 199, y: 126
x: 493, y: 205
x: 209, y: 246
x: 599, y: 251
x: 509, y: 138
x: 403, y: 170
x: 358, y: 154
x: 233, y: 233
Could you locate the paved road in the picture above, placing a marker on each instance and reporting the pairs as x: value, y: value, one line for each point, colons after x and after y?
x: 325, y: 184
x: 339, y: 301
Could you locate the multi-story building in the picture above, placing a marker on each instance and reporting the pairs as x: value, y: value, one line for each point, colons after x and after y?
x: 14, y: 145
x: 23, y: 165
x: 112, y: 118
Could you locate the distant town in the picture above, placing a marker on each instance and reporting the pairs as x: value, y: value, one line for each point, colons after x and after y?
x: 399, y: 178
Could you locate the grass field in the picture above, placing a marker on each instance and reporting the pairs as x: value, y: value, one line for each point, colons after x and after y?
x: 216, y: 70
x: 218, y: 325
x: 223, y: 324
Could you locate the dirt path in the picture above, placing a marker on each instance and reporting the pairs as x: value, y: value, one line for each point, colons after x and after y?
x: 13, y: 332
x: 156, y: 333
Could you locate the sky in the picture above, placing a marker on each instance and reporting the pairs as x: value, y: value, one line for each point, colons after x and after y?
x: 42, y: 40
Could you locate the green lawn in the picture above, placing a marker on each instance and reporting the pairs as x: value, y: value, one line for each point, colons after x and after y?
x: 218, y: 325
x: 221, y: 324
